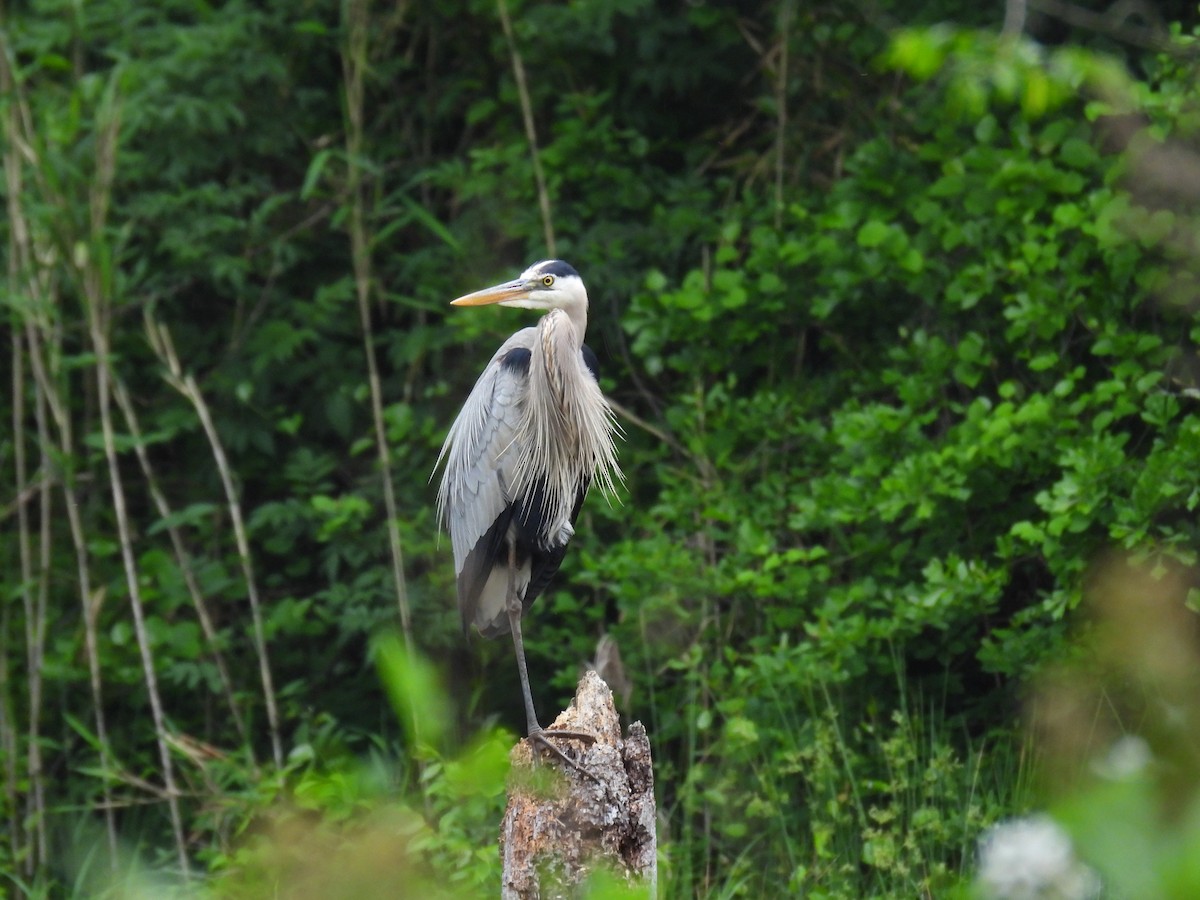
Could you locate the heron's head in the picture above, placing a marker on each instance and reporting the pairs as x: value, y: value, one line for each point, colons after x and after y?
x: 546, y: 285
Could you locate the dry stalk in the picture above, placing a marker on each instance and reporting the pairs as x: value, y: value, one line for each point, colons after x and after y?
x: 28, y: 276
x: 97, y: 302
x: 781, y: 97
x: 36, y: 628
x: 354, y: 62
x: 8, y: 733
x: 539, y: 176
x: 1014, y: 18
x: 18, y: 267
x: 164, y: 348
x: 91, y: 639
x: 25, y: 552
x: 182, y: 558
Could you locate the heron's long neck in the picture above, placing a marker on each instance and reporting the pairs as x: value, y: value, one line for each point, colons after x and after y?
x: 559, y: 340
x: 578, y: 317
x: 567, y: 424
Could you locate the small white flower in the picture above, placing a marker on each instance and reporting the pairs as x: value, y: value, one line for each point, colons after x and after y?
x: 1127, y: 758
x: 1032, y: 859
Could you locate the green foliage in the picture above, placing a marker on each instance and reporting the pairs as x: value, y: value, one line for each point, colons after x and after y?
x: 900, y: 359
x: 414, y: 820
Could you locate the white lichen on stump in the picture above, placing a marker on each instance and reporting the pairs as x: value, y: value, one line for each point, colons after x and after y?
x: 554, y: 835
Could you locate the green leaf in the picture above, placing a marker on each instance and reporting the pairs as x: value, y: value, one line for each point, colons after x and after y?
x: 872, y: 233
x: 316, y: 168
x: 414, y: 689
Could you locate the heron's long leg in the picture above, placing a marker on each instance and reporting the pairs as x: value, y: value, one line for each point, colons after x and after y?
x: 513, y: 607
x: 537, y: 734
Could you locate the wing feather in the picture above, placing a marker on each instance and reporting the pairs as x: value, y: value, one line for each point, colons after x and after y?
x: 480, y: 461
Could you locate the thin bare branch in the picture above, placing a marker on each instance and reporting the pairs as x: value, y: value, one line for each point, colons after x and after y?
x: 1014, y: 17
x: 1114, y: 22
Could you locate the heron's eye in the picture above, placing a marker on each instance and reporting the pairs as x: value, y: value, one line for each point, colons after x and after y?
x: 548, y: 280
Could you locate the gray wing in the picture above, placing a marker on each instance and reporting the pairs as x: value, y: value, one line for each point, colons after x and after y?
x: 480, y: 457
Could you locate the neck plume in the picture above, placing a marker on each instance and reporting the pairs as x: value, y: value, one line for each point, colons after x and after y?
x: 567, y: 426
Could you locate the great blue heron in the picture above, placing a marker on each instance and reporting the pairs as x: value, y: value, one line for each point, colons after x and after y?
x: 533, y: 435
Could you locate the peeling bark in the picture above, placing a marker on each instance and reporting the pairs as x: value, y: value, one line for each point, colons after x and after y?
x: 561, y: 825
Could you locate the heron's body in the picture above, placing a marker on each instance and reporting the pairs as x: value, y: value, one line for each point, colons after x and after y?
x: 533, y: 435
x: 496, y: 491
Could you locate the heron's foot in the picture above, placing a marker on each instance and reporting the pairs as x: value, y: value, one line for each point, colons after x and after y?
x: 540, y: 737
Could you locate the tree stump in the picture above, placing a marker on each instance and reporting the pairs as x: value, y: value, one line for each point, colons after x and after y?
x: 555, y: 834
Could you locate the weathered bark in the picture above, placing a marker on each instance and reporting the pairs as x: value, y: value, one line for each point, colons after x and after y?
x: 554, y: 835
